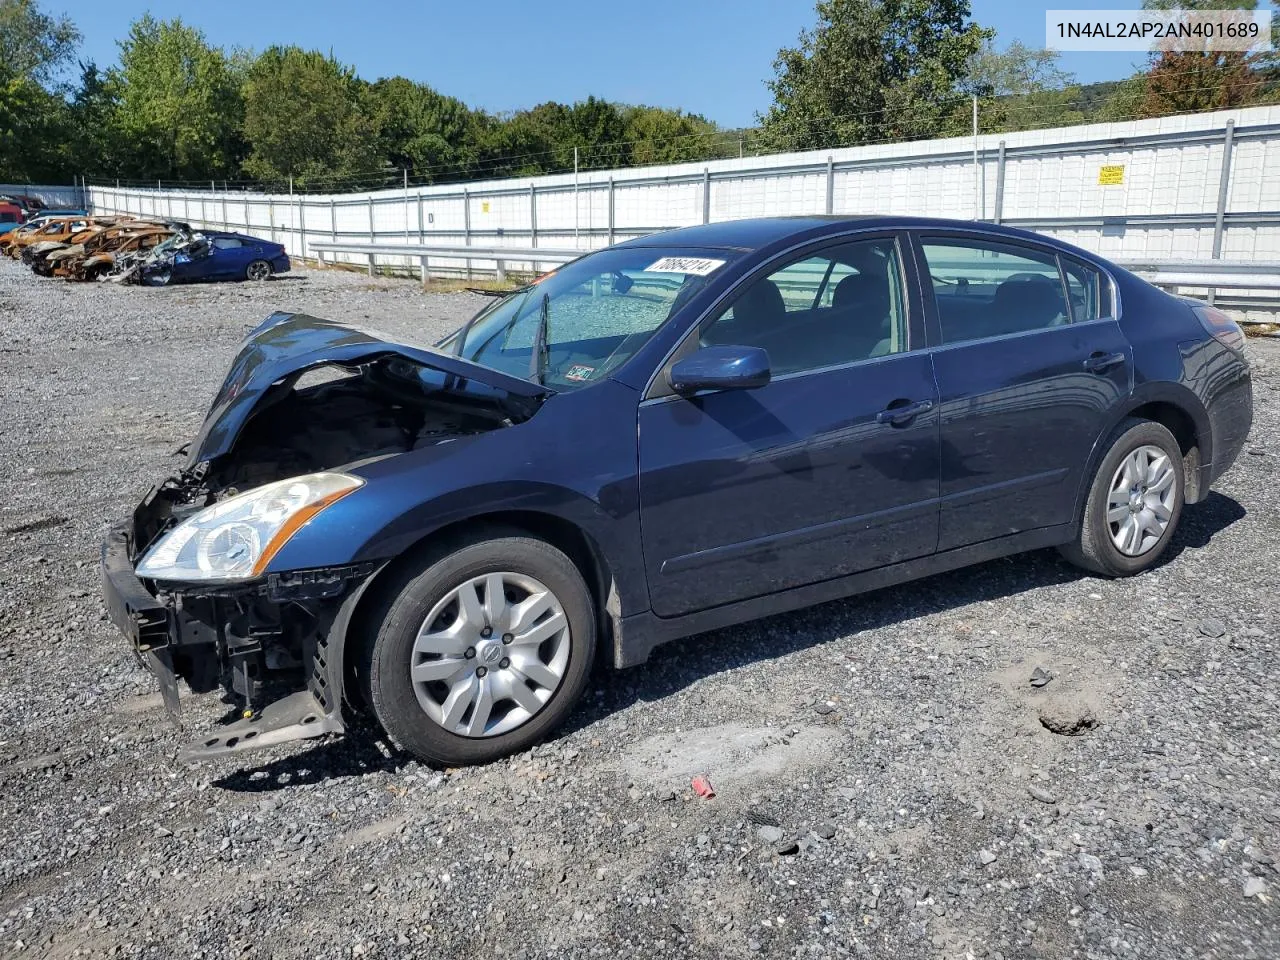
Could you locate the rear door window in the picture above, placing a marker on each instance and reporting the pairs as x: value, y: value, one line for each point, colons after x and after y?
x: 992, y: 289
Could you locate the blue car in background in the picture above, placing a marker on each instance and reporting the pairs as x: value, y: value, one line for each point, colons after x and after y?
x: 215, y: 255
x: 675, y: 434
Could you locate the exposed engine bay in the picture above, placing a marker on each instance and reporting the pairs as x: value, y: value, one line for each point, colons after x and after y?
x: 376, y: 411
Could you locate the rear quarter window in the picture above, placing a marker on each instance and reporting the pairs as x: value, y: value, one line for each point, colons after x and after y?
x: 1088, y: 291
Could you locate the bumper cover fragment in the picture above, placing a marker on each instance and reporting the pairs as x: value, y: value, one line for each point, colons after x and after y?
x: 140, y: 617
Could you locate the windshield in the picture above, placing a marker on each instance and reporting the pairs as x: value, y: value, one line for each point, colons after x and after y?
x: 589, y: 317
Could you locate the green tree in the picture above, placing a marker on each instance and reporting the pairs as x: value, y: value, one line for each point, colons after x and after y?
x: 1180, y: 80
x: 179, y: 105
x: 873, y: 70
x: 305, y: 117
x: 35, y: 50
x: 658, y: 135
x: 97, y: 148
x: 34, y: 124
x: 433, y: 136
x: 1022, y: 88
x: 34, y: 45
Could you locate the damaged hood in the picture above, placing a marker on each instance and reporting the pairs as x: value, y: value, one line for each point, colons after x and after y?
x: 286, y: 344
x: 74, y: 250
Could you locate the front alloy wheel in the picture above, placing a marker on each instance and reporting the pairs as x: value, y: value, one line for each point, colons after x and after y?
x: 490, y: 654
x: 482, y: 647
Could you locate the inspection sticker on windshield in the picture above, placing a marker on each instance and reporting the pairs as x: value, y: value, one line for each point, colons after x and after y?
x: 697, y: 266
x: 580, y: 371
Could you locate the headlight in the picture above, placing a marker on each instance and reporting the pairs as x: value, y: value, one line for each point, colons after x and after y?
x: 236, y: 539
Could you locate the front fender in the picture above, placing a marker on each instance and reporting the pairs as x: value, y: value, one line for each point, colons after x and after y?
x: 539, y: 466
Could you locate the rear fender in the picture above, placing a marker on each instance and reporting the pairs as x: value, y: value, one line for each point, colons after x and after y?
x: 1196, y: 460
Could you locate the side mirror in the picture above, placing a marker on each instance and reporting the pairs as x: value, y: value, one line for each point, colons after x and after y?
x: 720, y: 368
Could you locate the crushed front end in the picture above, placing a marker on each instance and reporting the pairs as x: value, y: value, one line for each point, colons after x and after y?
x: 190, y: 577
x: 264, y: 643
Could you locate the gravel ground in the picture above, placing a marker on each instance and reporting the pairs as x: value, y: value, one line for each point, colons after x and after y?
x: 885, y: 784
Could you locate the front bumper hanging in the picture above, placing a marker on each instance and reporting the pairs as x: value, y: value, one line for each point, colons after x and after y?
x: 157, y: 632
x: 140, y: 617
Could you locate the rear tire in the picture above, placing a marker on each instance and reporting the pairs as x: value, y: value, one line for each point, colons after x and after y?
x: 452, y: 694
x: 1134, y: 502
x: 258, y: 270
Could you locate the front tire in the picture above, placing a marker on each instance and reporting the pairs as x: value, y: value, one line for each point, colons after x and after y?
x: 1134, y: 502
x: 481, y: 651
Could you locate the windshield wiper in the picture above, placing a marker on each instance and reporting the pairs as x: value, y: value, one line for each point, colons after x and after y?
x: 460, y: 340
x: 538, y: 358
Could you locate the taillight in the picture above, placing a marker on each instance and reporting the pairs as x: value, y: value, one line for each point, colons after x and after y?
x: 1221, y: 327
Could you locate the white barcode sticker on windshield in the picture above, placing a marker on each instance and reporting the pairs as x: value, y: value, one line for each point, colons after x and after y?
x: 698, y: 266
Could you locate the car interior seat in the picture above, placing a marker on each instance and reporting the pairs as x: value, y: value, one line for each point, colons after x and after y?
x: 1024, y: 304
x: 861, y: 300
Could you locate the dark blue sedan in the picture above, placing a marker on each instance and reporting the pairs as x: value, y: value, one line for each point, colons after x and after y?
x: 674, y: 434
x: 216, y: 255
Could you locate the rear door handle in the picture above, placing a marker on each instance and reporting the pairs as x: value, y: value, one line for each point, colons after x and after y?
x: 1098, y: 362
x: 900, y: 413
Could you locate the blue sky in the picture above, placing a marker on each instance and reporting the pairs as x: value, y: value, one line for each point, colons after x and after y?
x: 708, y: 56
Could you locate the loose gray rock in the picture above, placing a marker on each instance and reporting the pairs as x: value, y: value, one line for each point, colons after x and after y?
x: 1039, y: 677
x: 986, y: 857
x: 1254, y: 887
x: 769, y: 834
x: 1209, y: 627
x: 1067, y: 717
x: 1043, y: 795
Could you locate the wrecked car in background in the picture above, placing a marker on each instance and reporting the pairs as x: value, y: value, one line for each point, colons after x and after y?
x: 53, y: 230
x: 95, y: 258
x: 676, y: 434
x: 204, y: 255
x: 12, y: 216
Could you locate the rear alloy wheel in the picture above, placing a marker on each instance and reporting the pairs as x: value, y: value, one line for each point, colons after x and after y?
x: 483, y: 652
x: 258, y: 270
x: 1134, y: 503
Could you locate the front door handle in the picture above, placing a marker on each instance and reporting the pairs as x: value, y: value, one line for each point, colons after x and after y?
x: 901, y: 412
x: 1100, y: 361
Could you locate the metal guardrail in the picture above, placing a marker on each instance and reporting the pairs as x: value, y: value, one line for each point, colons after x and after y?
x: 1204, y: 274
x: 1227, y: 274
x: 500, y: 256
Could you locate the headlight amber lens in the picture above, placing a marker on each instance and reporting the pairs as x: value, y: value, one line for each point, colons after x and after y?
x: 236, y: 539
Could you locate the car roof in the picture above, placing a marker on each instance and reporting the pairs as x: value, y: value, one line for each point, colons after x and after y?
x: 757, y: 233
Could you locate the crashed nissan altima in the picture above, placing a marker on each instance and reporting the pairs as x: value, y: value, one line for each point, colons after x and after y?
x: 675, y: 434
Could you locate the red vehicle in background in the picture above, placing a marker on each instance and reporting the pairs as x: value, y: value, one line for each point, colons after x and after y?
x: 11, y: 215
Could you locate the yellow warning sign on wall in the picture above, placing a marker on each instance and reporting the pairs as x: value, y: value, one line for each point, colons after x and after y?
x: 484, y: 205
x: 1111, y: 175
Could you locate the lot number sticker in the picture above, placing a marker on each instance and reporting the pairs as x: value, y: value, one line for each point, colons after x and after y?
x: 1111, y: 175
x: 697, y: 266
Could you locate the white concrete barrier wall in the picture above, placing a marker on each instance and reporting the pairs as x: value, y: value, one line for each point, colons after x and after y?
x: 1165, y: 205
